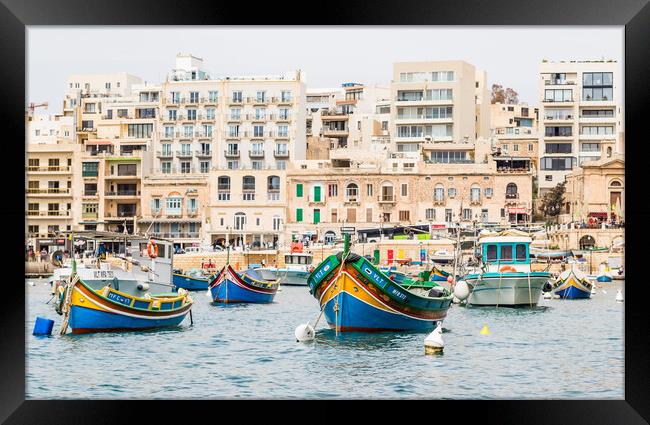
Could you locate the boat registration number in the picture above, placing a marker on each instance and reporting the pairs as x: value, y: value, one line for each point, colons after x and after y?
x: 118, y: 298
x: 103, y: 274
x: 319, y: 275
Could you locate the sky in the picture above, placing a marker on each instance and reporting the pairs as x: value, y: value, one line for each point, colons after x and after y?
x: 328, y: 55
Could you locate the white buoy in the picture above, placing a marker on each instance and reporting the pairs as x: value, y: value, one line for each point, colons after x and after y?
x: 619, y: 296
x: 593, y: 290
x: 461, y: 290
x: 433, y: 343
x: 455, y: 300
x: 305, y: 332
x: 548, y: 295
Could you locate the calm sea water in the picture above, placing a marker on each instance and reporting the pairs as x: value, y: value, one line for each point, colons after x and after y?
x: 561, y: 349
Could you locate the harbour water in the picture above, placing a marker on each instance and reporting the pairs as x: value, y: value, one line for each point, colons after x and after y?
x: 560, y: 349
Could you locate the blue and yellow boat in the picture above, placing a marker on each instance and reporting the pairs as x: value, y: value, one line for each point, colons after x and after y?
x: 356, y: 296
x: 572, y: 284
x: 438, y: 275
x: 192, y: 280
x: 127, y: 309
x: 227, y: 286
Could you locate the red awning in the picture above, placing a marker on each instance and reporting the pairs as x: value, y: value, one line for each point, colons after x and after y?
x: 517, y: 211
x: 597, y: 214
x: 98, y: 142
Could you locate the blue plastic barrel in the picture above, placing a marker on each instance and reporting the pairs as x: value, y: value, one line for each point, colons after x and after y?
x: 43, y: 326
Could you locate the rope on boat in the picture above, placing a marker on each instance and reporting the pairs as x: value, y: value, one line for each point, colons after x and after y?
x: 336, y: 302
x: 500, y: 276
x: 67, y: 304
x: 530, y: 296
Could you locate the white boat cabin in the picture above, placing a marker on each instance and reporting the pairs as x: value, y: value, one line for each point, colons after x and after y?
x: 298, y: 261
x: 503, y: 254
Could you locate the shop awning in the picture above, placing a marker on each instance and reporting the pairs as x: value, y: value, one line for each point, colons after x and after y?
x: 517, y: 211
x: 99, y: 142
x: 597, y: 214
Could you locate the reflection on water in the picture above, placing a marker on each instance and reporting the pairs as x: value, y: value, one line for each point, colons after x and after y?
x: 249, y: 351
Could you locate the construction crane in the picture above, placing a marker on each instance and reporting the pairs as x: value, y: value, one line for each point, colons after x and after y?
x: 32, y: 106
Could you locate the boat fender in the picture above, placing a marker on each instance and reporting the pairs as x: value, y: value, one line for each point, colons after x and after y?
x: 304, y: 333
x: 547, y: 287
x: 461, y: 290
x: 152, y: 249
x: 182, y: 292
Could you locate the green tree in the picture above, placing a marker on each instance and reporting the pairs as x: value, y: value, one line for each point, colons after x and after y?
x: 552, y: 201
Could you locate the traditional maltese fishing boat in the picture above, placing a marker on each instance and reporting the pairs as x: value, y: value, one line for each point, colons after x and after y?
x: 572, y: 284
x: 227, y: 286
x: 127, y: 306
x: 356, y: 296
x: 192, y: 280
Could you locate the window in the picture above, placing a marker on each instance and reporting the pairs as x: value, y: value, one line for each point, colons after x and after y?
x: 171, y: 114
x: 369, y: 189
x: 488, y: 192
x: 240, y: 221
x: 316, y: 215
x: 351, y: 192
x: 90, y: 169
x: 559, y: 163
x: 276, y: 222
x: 597, y: 129
x: 258, y: 131
x: 430, y: 214
x: 139, y: 131
x: 299, y: 215
x: 506, y: 253
x: 209, y: 113
x: 520, y: 252
x: 332, y: 189
x: 191, y: 114
x: 185, y: 167
x: 286, y: 96
x: 511, y: 191
x: 597, y: 86
x: 248, y: 183
x: 590, y: 147
x: 475, y: 194
x: 467, y: 214
x: 334, y: 216
x: 165, y: 167
x: 213, y: 96
x: 174, y: 205
x: 404, y: 189
x: 237, y: 96
x: 156, y: 205
x: 232, y: 165
x: 592, y: 113
x: 491, y: 253
x: 404, y: 215
x: 451, y: 192
x: 369, y: 215
x: 557, y: 147
x: 439, y: 193
x: 299, y: 190
x: 558, y: 95
x: 548, y: 178
x: 558, y: 131
x: 205, y: 166
x: 194, y: 97
x: 449, y: 157
x: 283, y: 130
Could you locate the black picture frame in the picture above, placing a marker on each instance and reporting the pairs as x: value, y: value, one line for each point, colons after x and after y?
x: 15, y: 15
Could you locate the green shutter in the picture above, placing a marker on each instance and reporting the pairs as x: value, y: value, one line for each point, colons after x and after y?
x: 316, y: 216
x: 299, y: 214
x: 317, y: 194
x: 299, y: 190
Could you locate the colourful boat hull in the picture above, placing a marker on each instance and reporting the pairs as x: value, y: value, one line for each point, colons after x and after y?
x: 571, y: 285
x: 92, y: 312
x: 191, y: 283
x: 361, y: 298
x: 228, y: 287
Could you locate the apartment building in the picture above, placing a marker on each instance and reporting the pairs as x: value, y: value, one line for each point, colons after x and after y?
x: 51, y: 171
x: 514, y: 129
x: 327, y: 200
x: 437, y: 102
x: 246, y: 208
x: 580, y: 116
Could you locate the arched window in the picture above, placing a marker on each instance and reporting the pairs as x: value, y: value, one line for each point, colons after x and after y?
x: 616, y: 183
x: 329, y: 237
x: 248, y: 183
x: 511, y: 191
x: 609, y: 152
x: 273, y: 183
x: 352, y: 192
x: 223, y: 183
x: 240, y: 220
x: 475, y: 193
x: 439, y: 192
x: 587, y: 242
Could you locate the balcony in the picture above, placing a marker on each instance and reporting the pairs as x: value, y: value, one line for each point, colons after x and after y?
x: 231, y: 153
x: 439, y: 201
x: 47, y: 192
x: 183, y: 154
x: 48, y: 214
x: 164, y: 155
x: 192, y: 212
x: 281, y: 154
x: 335, y: 132
x: 235, y: 101
x: 282, y: 100
x: 558, y: 82
x: 123, y: 193
x: 281, y: 136
x: 56, y: 169
x: 234, y: 118
x: 257, y: 118
x: 475, y: 202
x: 387, y: 199
x: 281, y: 118
x: 209, y: 100
x: 204, y: 154
x: 89, y: 215
x: 256, y: 154
x: 512, y: 196
x: 352, y: 202
x: 258, y: 101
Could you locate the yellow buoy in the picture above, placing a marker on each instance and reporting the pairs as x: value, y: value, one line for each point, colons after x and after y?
x: 485, y: 330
